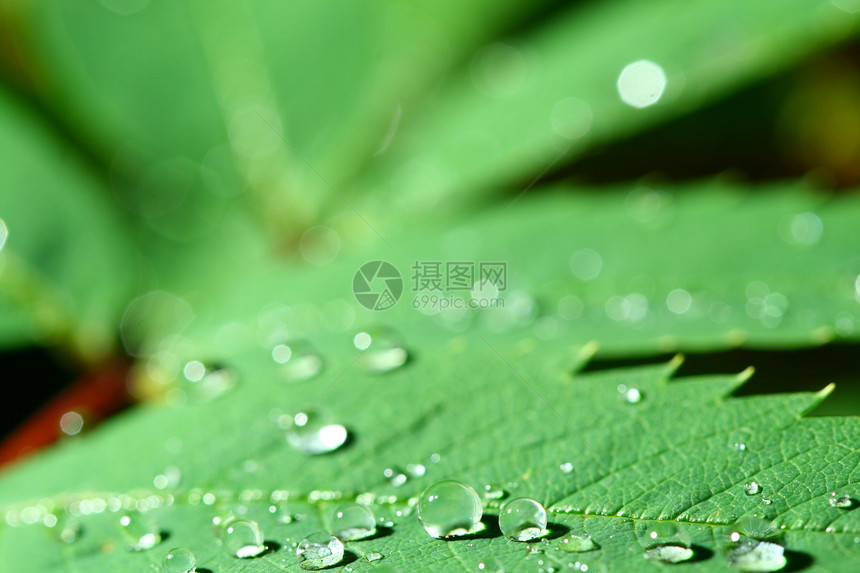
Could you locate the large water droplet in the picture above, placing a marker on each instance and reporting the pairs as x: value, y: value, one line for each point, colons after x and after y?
x: 577, y: 543
x: 312, y: 434
x: 755, y: 528
x: 353, y: 521
x: 842, y: 501
x: 299, y: 360
x: 319, y: 550
x: 752, y: 488
x: 383, y: 351
x: 449, y: 508
x: 179, y: 560
x: 669, y: 553
x: 141, y: 532
x: 243, y: 539
x: 666, y: 543
x: 757, y: 556
x: 522, y: 519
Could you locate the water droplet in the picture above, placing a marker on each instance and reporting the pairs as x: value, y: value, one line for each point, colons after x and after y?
x: 751, y: 488
x: 395, y: 477
x: 299, y: 360
x: 313, y: 435
x: 752, y: 555
x: 449, y: 508
x: 416, y: 470
x: 169, y: 479
x: 243, y: 539
x: 371, y: 557
x: 577, y: 543
x: 353, y: 521
x: 319, y: 550
x: 841, y: 501
x: 493, y: 491
x: 641, y: 84
x: 754, y: 528
x: 382, y: 348
x: 65, y: 529
x: 669, y: 553
x: 179, y: 560
x: 141, y: 532
x: 740, y: 447
x: 207, y: 382
x: 630, y: 395
x: 522, y: 519
x: 566, y: 467
x: 4, y: 233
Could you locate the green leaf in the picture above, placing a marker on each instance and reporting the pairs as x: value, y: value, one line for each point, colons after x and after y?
x: 330, y: 78
x: 67, y: 264
x: 540, y: 99
x: 639, y: 269
x: 509, y: 415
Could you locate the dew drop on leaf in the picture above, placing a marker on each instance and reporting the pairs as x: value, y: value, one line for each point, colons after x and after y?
x: 577, y: 543
x: 522, y: 519
x: 669, y: 553
x: 752, y: 488
x: 179, y: 560
x: 493, y: 491
x: 757, y: 556
x: 382, y: 350
x: 299, y: 361
x: 630, y: 395
x: 313, y: 435
x: 566, y: 467
x: 319, y: 550
x: 449, y: 508
x: 372, y: 556
x: 243, y: 539
x: 352, y: 521
x: 140, y: 532
x: 204, y: 383
x: 841, y: 501
x: 65, y: 529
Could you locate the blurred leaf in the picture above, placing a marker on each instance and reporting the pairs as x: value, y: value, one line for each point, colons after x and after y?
x: 488, y: 421
x: 637, y: 268
x: 216, y: 83
x: 538, y: 100
x: 67, y: 268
